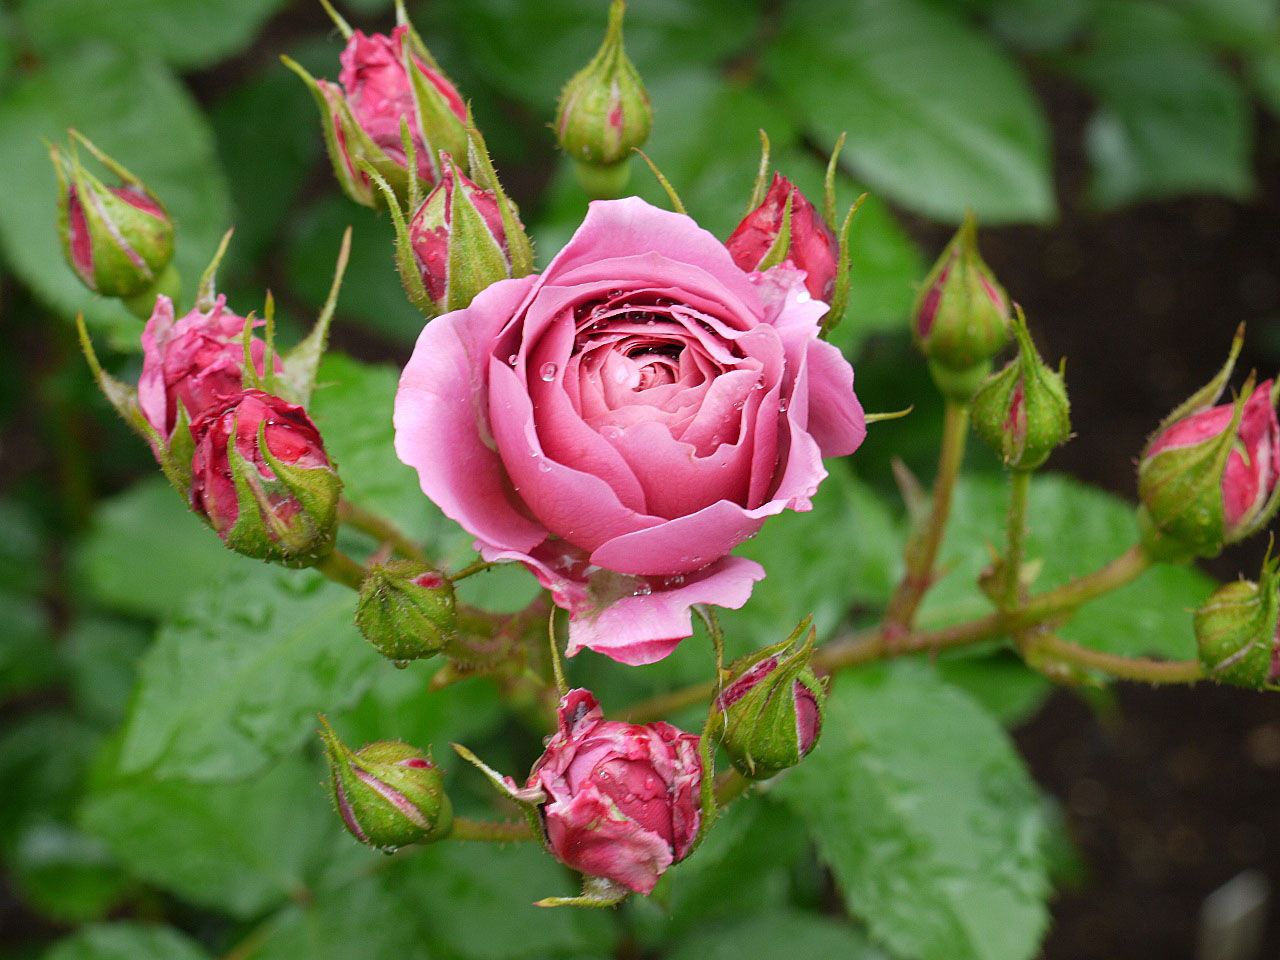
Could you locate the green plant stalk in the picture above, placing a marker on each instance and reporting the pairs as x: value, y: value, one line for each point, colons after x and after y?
x: 506, y: 831
x: 1019, y: 489
x: 922, y: 550
x: 380, y: 528
x: 1141, y: 669
x: 340, y: 568
x: 883, y: 642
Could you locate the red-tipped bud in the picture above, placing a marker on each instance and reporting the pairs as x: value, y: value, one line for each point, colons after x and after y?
x: 458, y: 240
x: 262, y: 479
x: 787, y: 227
x: 406, y: 610
x: 1238, y: 634
x: 621, y: 799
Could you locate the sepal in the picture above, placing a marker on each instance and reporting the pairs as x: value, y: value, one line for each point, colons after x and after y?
x: 1236, y: 631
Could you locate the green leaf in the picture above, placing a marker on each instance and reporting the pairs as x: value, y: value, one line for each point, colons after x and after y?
x: 778, y: 935
x: 140, y: 114
x: 235, y: 680
x: 27, y: 660
x: 938, y: 119
x: 924, y: 811
x: 102, y: 656
x: 241, y: 847
x: 1171, y: 120
x: 1073, y: 529
x: 146, y: 552
x: 189, y: 33
x: 65, y: 874
x: 126, y: 941
x: 1264, y: 71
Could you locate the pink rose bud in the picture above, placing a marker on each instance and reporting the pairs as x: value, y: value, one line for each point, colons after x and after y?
x: 604, y: 114
x: 962, y: 316
x: 1023, y: 412
x: 387, y: 82
x: 458, y: 240
x: 1208, y: 477
x: 406, y: 610
x: 787, y: 227
x: 389, y: 794
x: 622, y: 799
x: 194, y: 363
x: 1237, y: 631
x: 772, y: 707
x: 119, y: 240
x: 272, y: 493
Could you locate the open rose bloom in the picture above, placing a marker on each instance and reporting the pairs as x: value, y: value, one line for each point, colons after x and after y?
x: 620, y: 800
x: 624, y: 420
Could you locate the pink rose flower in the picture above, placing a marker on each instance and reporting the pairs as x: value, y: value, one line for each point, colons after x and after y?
x: 622, y: 800
x: 813, y: 246
x: 197, y: 362
x: 623, y: 421
x: 1253, y: 466
x: 379, y: 93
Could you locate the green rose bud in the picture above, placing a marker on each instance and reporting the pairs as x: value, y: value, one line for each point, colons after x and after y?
x: 1022, y: 412
x: 604, y: 114
x: 772, y: 707
x: 1236, y: 632
x: 389, y: 794
x: 406, y: 610
x: 961, y: 318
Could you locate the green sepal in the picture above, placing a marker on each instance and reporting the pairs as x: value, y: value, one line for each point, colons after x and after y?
x: 406, y: 263
x: 207, y: 291
x: 1046, y: 408
x: 1206, y: 396
x: 400, y: 618
x: 442, y: 130
x: 777, y: 251
x: 384, y: 802
x: 476, y: 257
x: 482, y: 172
x: 674, y: 198
x: 415, y: 40
x: 528, y: 799
x: 597, y: 893
x: 1181, y: 489
x: 844, y: 262
x: 761, y: 186
x: 302, y: 363
x: 829, y: 183
x: 1236, y: 630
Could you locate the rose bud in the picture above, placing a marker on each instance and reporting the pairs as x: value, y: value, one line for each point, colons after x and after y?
x: 621, y: 799
x: 193, y: 363
x: 1208, y: 476
x: 961, y: 318
x: 1236, y: 632
x: 272, y: 493
x: 406, y: 610
x: 787, y: 227
x: 386, y: 83
x: 458, y: 240
x: 118, y: 240
x: 389, y: 794
x: 604, y: 114
x: 1022, y: 412
x: 772, y: 707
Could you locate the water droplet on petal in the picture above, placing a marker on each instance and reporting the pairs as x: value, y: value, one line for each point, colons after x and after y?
x: 642, y: 590
x: 544, y: 466
x: 803, y: 297
x: 548, y: 372
x: 513, y: 359
x: 611, y: 432
x: 782, y: 405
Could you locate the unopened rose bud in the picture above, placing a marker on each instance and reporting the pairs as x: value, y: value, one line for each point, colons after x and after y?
x: 119, y: 240
x: 1236, y: 632
x: 458, y: 240
x: 787, y: 227
x: 387, y: 82
x: 604, y: 114
x: 772, y: 707
x: 406, y: 610
x: 621, y: 799
x: 262, y: 479
x: 1022, y: 412
x: 389, y: 794
x: 961, y: 318
x: 193, y: 363
x: 1209, y: 475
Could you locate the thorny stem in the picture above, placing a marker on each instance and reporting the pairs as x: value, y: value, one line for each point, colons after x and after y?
x: 1019, y: 487
x: 506, y: 831
x: 471, y: 569
x: 922, y: 551
x: 340, y: 568
x: 380, y: 528
x: 882, y: 643
x: 1141, y: 669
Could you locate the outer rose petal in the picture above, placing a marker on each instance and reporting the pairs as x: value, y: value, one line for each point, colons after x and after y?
x: 441, y: 419
x: 836, y: 420
x: 151, y: 392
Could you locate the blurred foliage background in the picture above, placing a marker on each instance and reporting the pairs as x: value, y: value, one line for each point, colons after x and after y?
x: 160, y: 803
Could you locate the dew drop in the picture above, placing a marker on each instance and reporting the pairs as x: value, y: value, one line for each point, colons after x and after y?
x: 611, y: 432
x: 544, y: 466
x: 400, y: 664
x: 803, y: 297
x: 782, y: 405
x: 759, y: 385
x: 548, y: 372
x: 675, y: 580
x: 737, y: 404
x: 513, y: 359
x: 642, y: 590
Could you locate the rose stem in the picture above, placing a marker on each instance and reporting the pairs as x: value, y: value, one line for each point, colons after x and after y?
x: 1019, y: 487
x: 1141, y: 669
x: 380, y: 528
x: 340, y: 568
x: 506, y: 831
